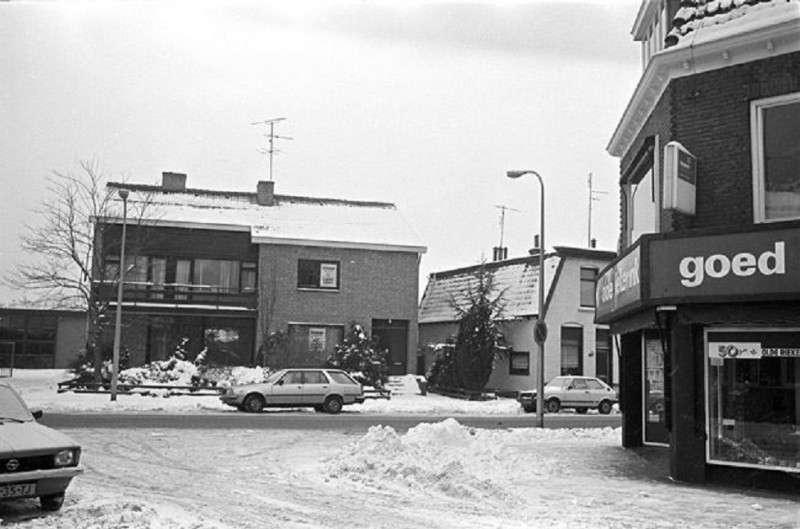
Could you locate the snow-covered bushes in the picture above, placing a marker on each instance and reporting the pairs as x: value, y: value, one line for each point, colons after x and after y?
x: 358, y: 357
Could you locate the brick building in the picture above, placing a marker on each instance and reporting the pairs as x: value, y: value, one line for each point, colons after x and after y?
x: 705, y: 295
x: 575, y: 344
x: 224, y: 270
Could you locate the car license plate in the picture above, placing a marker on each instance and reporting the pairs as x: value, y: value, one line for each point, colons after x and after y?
x: 17, y: 490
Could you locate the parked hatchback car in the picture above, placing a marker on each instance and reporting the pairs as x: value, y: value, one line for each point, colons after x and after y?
x: 322, y: 389
x: 35, y: 461
x: 578, y: 392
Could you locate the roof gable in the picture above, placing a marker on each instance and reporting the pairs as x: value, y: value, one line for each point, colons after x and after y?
x: 517, y: 279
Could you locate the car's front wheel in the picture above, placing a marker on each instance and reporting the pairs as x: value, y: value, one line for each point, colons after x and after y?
x: 553, y: 405
x: 333, y: 405
x: 52, y: 502
x: 604, y: 407
x: 253, y: 403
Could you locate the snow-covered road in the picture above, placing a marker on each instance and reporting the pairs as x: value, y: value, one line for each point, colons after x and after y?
x: 438, y: 476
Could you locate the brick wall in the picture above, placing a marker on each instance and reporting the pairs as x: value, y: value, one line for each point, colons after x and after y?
x: 709, y: 114
x: 372, y: 285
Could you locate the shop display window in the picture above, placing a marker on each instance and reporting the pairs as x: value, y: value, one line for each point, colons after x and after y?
x: 754, y: 397
x: 655, y: 411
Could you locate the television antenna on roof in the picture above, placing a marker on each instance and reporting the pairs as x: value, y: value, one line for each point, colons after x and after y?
x: 271, y: 150
x: 503, y: 210
x: 592, y: 198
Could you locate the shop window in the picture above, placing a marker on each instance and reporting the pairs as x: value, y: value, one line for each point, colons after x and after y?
x: 318, y: 274
x: 776, y: 158
x: 642, y: 193
x: 753, y: 398
x: 571, y: 350
x: 588, y: 282
x: 520, y: 363
x: 655, y: 410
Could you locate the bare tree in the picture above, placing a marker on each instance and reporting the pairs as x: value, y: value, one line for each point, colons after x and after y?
x: 67, y: 263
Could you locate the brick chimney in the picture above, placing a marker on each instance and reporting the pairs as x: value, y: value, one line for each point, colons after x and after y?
x: 173, y: 181
x: 265, y: 193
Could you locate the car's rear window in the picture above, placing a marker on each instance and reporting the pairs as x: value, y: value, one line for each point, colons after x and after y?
x: 594, y: 384
x: 341, y: 378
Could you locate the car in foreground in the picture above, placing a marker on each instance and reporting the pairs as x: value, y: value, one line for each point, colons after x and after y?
x: 326, y: 390
x: 577, y: 392
x: 35, y: 461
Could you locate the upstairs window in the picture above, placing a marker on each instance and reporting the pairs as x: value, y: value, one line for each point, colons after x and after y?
x: 642, y: 193
x: 588, y: 280
x: 318, y: 274
x: 218, y: 275
x: 775, y: 131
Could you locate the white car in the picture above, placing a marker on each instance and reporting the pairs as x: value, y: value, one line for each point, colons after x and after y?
x: 322, y: 389
x: 578, y: 392
x: 35, y: 461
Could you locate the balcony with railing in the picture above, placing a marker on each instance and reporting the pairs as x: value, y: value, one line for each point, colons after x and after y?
x: 147, y: 294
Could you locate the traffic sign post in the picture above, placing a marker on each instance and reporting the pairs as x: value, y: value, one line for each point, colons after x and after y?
x: 539, y: 332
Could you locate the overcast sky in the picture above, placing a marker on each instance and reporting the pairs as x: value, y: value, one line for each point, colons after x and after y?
x: 424, y: 104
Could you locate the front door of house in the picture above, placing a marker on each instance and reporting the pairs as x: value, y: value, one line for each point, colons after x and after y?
x: 393, y: 336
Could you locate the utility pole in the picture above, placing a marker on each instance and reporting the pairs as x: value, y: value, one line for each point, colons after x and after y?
x: 592, y: 198
x: 272, y: 137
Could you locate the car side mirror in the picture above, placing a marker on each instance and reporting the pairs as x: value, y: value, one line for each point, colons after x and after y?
x: 37, y: 414
x: 279, y: 383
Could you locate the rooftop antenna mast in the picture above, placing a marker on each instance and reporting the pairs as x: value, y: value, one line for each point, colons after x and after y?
x: 503, y: 210
x: 272, y: 137
x: 592, y: 198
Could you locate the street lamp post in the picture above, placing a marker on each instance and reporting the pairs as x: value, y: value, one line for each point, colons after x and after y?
x: 540, y: 329
x: 123, y: 194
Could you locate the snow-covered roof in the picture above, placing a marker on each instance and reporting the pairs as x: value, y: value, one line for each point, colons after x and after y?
x: 517, y: 279
x: 719, y: 18
x: 709, y: 35
x: 292, y: 220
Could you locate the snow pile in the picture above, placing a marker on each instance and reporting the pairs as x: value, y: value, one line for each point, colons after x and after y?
x: 174, y: 371
x: 116, y: 513
x: 423, y: 459
x: 455, y: 460
x: 245, y: 375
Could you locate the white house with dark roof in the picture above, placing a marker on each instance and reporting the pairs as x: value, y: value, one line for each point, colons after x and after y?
x: 575, y: 345
x: 224, y: 270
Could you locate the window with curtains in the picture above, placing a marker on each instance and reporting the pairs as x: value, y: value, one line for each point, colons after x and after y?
x: 219, y: 275
x: 520, y: 363
x: 177, y: 278
x: 571, y: 350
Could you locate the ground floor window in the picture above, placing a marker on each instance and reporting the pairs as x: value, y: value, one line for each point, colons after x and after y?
x: 520, y: 363
x: 310, y: 344
x: 226, y: 341
x: 28, y: 340
x: 754, y: 397
x: 571, y: 350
